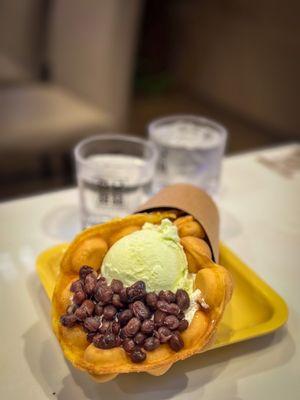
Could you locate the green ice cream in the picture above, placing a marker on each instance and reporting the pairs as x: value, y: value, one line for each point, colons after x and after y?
x: 154, y: 255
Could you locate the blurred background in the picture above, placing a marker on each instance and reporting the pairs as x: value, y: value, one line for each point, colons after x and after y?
x: 72, y: 68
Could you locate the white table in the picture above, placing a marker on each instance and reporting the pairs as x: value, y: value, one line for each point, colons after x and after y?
x: 260, y: 211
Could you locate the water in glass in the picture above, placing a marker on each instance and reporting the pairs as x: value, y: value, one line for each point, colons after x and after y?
x: 112, y: 185
x: 188, y: 153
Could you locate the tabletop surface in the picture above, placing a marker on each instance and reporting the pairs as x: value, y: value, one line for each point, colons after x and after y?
x: 260, y: 221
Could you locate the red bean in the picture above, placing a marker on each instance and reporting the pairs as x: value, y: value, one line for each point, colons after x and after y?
x: 151, y: 343
x: 84, y: 271
x: 90, y: 284
x: 139, y: 338
x: 68, y: 320
x: 116, y: 301
x: 173, y: 309
x: 137, y: 291
x: 171, y: 322
x: 128, y: 345
x: 103, y: 295
x: 85, y: 310
x: 176, y: 342
x: 76, y: 286
x: 167, y: 296
x: 182, y: 299
x: 123, y: 296
x: 159, y: 317
x: 105, y: 327
x: 132, y: 327
x: 147, y: 326
x: 164, y: 334
x: 140, y: 310
x: 79, y: 297
x: 109, y: 312
x: 116, y: 286
x: 138, y: 355
x: 91, y: 324
x: 183, y: 325
x: 106, y: 341
x: 115, y: 327
x: 125, y: 316
x: 98, y: 309
x: 151, y: 300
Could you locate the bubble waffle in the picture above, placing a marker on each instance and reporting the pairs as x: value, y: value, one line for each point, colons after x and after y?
x: 90, y: 247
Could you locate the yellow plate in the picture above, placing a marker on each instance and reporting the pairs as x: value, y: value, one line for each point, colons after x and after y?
x: 254, y: 310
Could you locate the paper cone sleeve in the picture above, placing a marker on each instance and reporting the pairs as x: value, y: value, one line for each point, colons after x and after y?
x: 193, y: 201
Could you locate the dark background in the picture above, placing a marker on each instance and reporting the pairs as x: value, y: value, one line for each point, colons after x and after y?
x: 234, y: 61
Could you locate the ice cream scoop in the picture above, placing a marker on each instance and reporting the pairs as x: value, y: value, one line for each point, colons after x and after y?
x: 154, y: 255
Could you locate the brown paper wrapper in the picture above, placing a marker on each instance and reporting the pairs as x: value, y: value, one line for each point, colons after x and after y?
x: 193, y: 201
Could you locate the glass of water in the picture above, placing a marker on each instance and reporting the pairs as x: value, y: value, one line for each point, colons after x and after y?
x: 190, y: 150
x: 114, y: 175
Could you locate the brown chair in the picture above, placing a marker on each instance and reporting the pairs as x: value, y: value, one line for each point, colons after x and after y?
x: 21, y: 35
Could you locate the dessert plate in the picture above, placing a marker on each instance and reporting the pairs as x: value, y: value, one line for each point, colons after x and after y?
x: 254, y: 310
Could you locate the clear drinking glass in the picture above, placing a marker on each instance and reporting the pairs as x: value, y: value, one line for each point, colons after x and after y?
x: 190, y: 150
x: 114, y: 175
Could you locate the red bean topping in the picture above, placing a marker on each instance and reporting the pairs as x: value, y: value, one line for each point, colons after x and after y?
x: 170, y: 308
x: 140, y: 310
x: 167, y: 296
x: 84, y: 271
x: 115, y: 327
x: 116, y: 286
x: 164, y: 334
x: 106, y: 341
x: 132, y: 327
x: 68, y: 320
x: 85, y: 310
x: 128, y: 345
x: 162, y: 305
x: 125, y: 316
x: 183, y: 325
x: 139, y: 338
x: 123, y: 296
x: 90, y: 284
x: 91, y: 324
x: 122, y: 334
x: 147, y: 326
x: 137, y: 291
x: 109, y: 312
x: 116, y: 301
x: 114, y: 315
x: 103, y: 295
x: 76, y: 286
x: 137, y: 355
x: 182, y: 299
x: 173, y: 309
x: 79, y: 297
x: 176, y: 342
x: 151, y: 299
x: 89, y: 306
x: 109, y: 341
x: 98, y: 309
x: 81, y: 314
x: 171, y: 322
x: 180, y: 315
x: 105, y: 327
x: 101, y: 282
x: 151, y: 343
x: 159, y: 317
